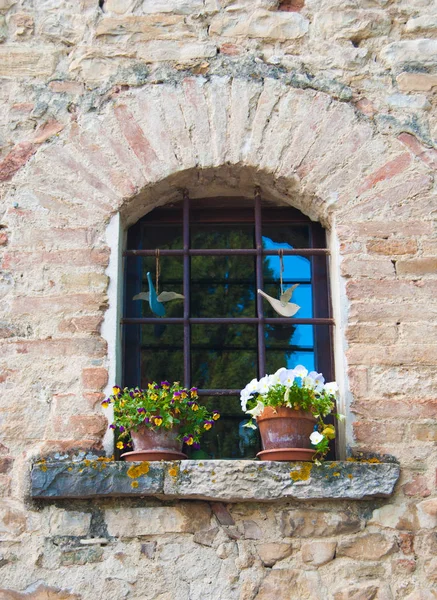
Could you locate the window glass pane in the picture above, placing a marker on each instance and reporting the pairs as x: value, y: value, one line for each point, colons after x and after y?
x: 223, y: 286
x: 221, y: 236
x: 170, y: 280
x: 162, y: 236
x: 155, y: 353
x: 296, y: 268
x: 228, y: 438
x: 288, y: 346
x: 223, y: 356
x: 290, y: 236
x: 302, y: 296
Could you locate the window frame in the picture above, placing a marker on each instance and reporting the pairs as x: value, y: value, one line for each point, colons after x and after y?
x: 257, y: 214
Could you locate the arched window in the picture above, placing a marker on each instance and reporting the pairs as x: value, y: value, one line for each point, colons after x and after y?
x: 217, y: 253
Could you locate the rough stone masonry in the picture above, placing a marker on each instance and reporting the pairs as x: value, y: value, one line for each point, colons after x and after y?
x: 109, y: 106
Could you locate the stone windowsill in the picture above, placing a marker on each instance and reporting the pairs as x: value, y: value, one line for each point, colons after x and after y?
x: 215, y: 480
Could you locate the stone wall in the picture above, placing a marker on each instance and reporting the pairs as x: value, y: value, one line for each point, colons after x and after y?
x: 109, y: 107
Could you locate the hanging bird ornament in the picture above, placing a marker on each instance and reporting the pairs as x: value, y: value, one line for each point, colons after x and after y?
x: 156, y: 300
x: 283, y: 306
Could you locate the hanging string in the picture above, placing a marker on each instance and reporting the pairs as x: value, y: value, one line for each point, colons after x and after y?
x: 158, y: 270
x: 281, y: 267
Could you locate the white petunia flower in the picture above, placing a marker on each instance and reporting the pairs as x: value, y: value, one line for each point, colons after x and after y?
x: 244, y: 397
x: 308, y: 382
x: 250, y: 425
x: 258, y: 410
x: 263, y: 385
x: 331, y: 388
x: 316, y: 438
x: 286, y: 377
x: 300, y: 371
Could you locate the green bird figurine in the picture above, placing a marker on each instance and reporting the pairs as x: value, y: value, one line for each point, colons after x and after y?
x: 156, y: 301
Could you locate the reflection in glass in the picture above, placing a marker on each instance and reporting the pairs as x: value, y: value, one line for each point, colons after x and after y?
x: 228, y: 438
x: 161, y: 350
x: 221, y: 236
x: 223, y: 356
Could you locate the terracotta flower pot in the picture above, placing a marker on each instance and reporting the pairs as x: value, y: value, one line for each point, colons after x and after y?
x: 285, y: 434
x: 160, y: 444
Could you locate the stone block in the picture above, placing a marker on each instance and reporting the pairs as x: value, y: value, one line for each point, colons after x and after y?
x: 206, y: 537
x: 81, y: 556
x: 22, y: 61
x: 314, y: 523
x: 393, y: 516
x: 359, y: 592
x: 157, y: 520
x: 260, y: 23
x: 68, y: 522
x: 22, y: 25
x: 318, y: 552
x: 182, y: 7
x: 353, y: 25
x: 403, y: 101
x: 371, y: 546
x: 271, y: 553
x: 142, y: 29
x: 171, y: 50
x: 424, y: 23
x: 416, y: 82
x: 392, y: 246
x: 421, y: 51
x: 417, y: 266
x: 38, y: 591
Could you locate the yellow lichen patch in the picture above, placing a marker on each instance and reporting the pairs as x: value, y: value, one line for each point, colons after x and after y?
x: 350, y: 476
x: 185, y: 471
x: 43, y: 468
x: 333, y: 465
x: 134, y: 484
x: 336, y: 474
x: 87, y: 462
x: 70, y: 469
x: 303, y: 473
x: 173, y: 472
x: 142, y: 469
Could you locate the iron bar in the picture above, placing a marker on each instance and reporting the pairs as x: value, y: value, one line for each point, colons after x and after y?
x: 186, y: 288
x: 218, y: 392
x: 259, y: 285
x: 229, y: 251
x: 225, y: 320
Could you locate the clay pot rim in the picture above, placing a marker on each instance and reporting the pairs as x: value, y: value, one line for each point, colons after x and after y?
x: 278, y: 413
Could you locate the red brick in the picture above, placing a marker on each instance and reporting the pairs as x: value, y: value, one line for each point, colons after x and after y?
x: 67, y: 87
x: 429, y: 247
x: 391, y: 290
x: 372, y: 333
x: 407, y: 354
x: 4, y: 374
x: 94, y: 378
x: 93, y: 399
x: 406, y: 543
x: 54, y: 304
x: 77, y: 258
x: 367, y: 107
x: 81, y: 324
x: 427, y: 155
x: 417, y: 487
x: 3, y: 238
x: 54, y: 238
x: 135, y: 136
x: 371, y: 268
x: 23, y: 107
x: 392, y: 246
x: 385, y: 228
x: 6, y: 463
x: 57, y: 348
x: 376, y: 433
x: 417, y: 266
x: 17, y: 158
x: 47, y: 130
x: 403, y: 408
x: 391, y: 313
x: 230, y: 49
x: 388, y: 171
x: 88, y: 425
x: 359, y: 380
x: 73, y: 446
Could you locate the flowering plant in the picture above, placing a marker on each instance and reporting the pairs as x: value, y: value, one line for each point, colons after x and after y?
x: 160, y: 407
x: 299, y: 389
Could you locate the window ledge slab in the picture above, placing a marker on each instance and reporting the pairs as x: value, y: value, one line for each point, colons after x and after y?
x: 215, y: 480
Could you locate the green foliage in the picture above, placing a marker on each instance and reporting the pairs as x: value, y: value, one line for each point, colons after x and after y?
x: 161, y: 407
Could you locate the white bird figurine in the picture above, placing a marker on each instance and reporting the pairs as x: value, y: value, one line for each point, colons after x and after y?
x: 155, y: 301
x: 283, y: 306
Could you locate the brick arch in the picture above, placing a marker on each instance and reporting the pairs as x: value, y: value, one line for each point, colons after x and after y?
x: 300, y: 146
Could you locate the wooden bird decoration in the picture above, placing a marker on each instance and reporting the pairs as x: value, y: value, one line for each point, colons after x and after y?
x: 283, y: 306
x: 156, y: 301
